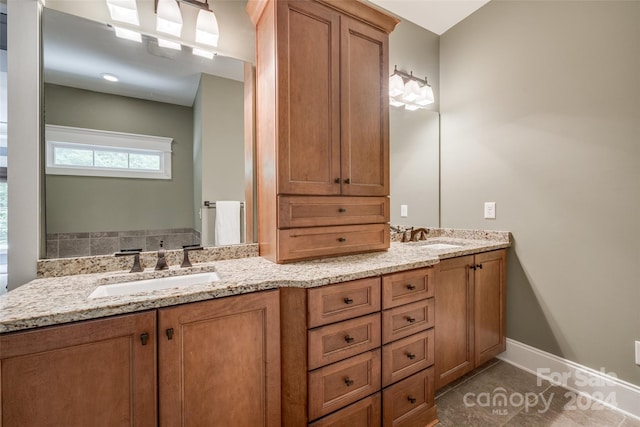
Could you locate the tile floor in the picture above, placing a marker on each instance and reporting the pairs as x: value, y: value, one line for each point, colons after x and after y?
x: 475, y: 400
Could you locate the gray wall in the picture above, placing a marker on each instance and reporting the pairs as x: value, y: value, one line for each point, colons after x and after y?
x: 81, y: 204
x: 414, y: 135
x: 219, y: 145
x: 540, y: 113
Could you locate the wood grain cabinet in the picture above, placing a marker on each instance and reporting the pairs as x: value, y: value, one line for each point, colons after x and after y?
x: 470, y: 313
x: 210, y: 363
x: 322, y: 119
x: 219, y: 362
x: 94, y: 373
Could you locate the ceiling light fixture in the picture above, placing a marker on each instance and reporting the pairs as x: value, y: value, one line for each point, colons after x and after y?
x: 124, y: 11
x: 126, y: 34
x: 109, y: 77
x: 408, y: 91
x: 168, y: 17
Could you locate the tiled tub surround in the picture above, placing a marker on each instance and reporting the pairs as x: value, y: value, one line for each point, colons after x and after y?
x: 65, y: 245
x: 56, y: 300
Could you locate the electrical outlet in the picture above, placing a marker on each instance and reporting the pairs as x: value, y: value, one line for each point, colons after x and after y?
x: 404, y: 211
x: 637, y: 352
x: 489, y: 210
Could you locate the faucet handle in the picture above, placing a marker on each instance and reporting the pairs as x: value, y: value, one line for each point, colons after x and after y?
x: 185, y: 250
x: 137, y: 268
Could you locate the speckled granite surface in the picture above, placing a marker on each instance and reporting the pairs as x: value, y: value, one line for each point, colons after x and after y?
x: 56, y: 300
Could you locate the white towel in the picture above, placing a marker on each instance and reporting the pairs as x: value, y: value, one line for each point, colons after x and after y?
x: 227, y: 229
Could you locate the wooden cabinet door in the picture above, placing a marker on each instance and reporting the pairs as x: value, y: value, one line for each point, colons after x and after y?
x: 364, y: 110
x: 489, y: 305
x: 220, y: 362
x: 93, y: 373
x: 454, y: 294
x: 308, y: 100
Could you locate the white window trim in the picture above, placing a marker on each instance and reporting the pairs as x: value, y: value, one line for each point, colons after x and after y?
x: 68, y: 136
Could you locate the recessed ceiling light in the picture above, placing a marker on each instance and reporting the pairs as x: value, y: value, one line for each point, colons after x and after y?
x: 109, y: 77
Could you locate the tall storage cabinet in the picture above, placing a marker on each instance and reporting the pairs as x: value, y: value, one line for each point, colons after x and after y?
x: 322, y: 126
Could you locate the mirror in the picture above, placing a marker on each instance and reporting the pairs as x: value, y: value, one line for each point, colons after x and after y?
x: 197, y: 102
x: 90, y: 216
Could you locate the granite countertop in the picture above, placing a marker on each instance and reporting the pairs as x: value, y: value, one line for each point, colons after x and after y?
x: 56, y: 300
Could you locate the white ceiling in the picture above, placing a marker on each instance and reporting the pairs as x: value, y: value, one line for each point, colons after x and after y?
x: 436, y: 16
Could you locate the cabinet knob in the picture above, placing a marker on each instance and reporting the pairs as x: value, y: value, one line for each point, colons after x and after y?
x: 411, y: 356
x: 144, y: 338
x: 349, y: 339
x: 479, y: 266
x: 473, y: 267
x: 348, y: 381
x: 169, y: 333
x: 411, y: 287
x: 347, y: 181
x: 341, y: 239
x: 410, y: 319
x: 337, y: 180
x: 412, y: 399
x: 342, y: 210
x: 348, y: 300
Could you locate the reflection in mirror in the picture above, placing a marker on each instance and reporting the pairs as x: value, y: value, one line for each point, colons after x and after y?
x: 415, y: 166
x: 196, y: 102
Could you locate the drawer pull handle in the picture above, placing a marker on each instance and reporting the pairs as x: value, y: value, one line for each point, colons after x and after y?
x: 342, y: 210
x: 348, y: 381
x: 348, y: 300
x: 341, y: 239
x: 144, y: 338
x: 169, y: 333
x: 411, y: 287
x: 411, y: 319
x: 411, y: 356
x: 349, y: 339
x: 412, y: 399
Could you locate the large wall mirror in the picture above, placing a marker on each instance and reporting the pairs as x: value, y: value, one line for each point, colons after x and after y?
x: 196, y: 102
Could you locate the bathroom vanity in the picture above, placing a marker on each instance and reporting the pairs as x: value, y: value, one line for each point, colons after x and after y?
x: 312, y: 343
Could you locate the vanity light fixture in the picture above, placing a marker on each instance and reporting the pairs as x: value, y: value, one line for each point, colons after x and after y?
x: 207, y: 28
x: 408, y: 91
x: 203, y: 53
x: 168, y: 17
x: 126, y: 34
x: 169, y: 44
x: 124, y: 11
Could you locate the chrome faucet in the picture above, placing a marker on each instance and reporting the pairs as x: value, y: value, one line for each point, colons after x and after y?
x: 162, y: 261
x: 418, y: 234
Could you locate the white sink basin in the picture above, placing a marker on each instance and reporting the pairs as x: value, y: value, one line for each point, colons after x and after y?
x: 439, y: 246
x: 138, y: 286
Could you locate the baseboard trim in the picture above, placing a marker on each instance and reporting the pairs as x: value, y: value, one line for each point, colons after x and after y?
x: 600, y: 386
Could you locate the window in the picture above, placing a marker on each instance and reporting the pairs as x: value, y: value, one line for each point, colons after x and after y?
x: 90, y: 152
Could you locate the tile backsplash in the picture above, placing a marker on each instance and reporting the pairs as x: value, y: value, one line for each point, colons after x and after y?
x: 65, y: 245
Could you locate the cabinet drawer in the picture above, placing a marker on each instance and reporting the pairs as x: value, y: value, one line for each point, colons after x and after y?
x: 334, y: 303
x: 408, y: 402
x: 342, y: 383
x: 303, y: 243
x: 407, y: 319
x: 407, y: 286
x: 407, y: 356
x: 301, y: 211
x: 332, y: 343
x: 364, y: 413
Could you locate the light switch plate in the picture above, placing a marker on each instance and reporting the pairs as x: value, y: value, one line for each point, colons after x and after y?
x: 637, y: 352
x: 489, y: 210
x: 404, y: 211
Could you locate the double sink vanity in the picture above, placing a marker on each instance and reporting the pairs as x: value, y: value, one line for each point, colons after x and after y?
x: 360, y: 339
